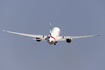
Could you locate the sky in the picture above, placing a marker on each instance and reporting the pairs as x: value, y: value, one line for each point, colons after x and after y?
x: 73, y: 17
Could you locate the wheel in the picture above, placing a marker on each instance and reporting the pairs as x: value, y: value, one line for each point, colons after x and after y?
x: 54, y: 43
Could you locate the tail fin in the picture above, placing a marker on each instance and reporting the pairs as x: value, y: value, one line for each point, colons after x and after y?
x: 50, y: 29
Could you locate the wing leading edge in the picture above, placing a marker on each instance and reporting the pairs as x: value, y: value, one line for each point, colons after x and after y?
x: 29, y: 35
x: 62, y: 38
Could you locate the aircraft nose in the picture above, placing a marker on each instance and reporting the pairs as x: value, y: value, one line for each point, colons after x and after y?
x: 50, y: 40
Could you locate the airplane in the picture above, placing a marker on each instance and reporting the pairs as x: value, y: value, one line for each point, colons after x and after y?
x: 53, y: 37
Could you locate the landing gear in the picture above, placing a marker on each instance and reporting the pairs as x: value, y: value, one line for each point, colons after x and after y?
x: 54, y: 43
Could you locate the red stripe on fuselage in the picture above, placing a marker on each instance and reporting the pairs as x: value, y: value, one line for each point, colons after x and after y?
x: 53, y: 37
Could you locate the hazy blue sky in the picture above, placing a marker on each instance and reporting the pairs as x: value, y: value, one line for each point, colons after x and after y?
x: 73, y: 17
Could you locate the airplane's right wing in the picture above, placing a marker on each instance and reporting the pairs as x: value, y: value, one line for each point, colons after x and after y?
x: 42, y: 37
x: 62, y: 38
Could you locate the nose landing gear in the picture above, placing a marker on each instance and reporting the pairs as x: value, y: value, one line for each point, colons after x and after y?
x: 55, y: 43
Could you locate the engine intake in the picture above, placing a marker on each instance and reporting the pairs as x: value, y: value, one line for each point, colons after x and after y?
x: 68, y: 40
x: 38, y: 39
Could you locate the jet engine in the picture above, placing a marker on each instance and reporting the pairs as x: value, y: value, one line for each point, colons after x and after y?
x: 68, y: 40
x: 38, y: 39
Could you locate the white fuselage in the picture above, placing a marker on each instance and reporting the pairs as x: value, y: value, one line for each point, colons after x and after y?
x: 54, y: 34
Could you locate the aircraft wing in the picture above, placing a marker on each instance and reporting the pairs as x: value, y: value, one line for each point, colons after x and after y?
x: 29, y: 35
x: 62, y: 38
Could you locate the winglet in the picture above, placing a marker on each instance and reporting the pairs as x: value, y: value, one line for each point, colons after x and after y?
x: 99, y: 35
x: 4, y: 30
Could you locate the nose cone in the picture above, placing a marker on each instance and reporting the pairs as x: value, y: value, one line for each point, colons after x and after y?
x: 51, y: 41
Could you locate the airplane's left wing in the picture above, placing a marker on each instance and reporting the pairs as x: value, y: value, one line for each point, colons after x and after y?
x: 43, y: 37
x: 62, y: 38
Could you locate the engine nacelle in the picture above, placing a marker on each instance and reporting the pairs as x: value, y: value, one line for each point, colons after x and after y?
x: 68, y: 40
x: 38, y: 39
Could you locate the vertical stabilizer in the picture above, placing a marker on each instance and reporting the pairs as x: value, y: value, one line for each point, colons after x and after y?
x: 50, y: 29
